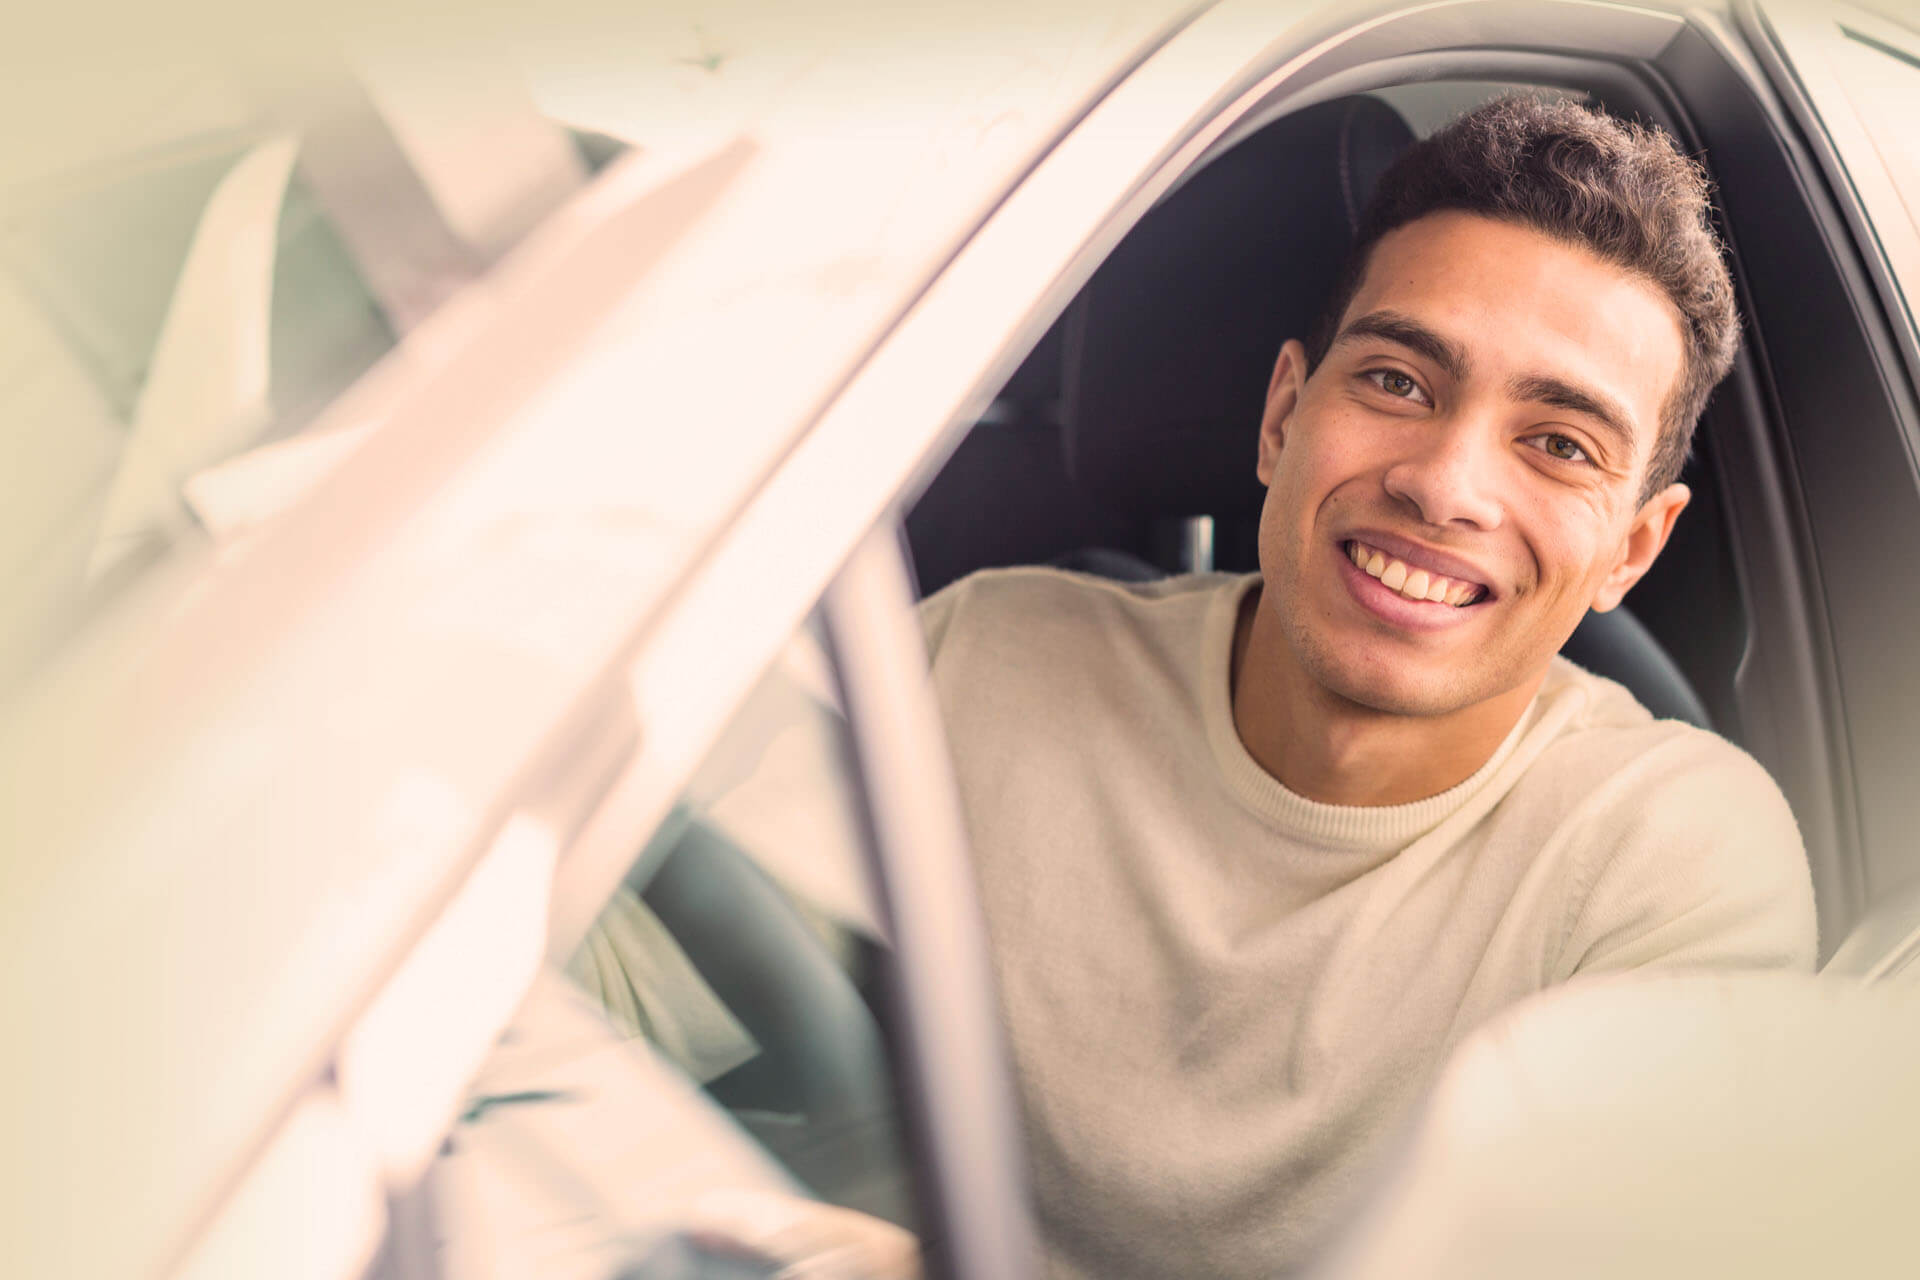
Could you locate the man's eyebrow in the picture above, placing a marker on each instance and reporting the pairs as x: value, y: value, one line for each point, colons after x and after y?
x: 1411, y: 334
x: 1561, y: 394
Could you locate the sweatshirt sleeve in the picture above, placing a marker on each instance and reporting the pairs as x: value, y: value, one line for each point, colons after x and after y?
x: 1701, y: 867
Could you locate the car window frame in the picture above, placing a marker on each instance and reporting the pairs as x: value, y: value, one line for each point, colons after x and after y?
x: 1797, y: 40
x: 1853, y: 480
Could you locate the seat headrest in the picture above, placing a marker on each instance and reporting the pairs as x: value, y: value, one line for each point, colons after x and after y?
x: 1171, y: 345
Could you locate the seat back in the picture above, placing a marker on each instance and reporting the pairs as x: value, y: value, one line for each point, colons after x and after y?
x: 1171, y: 345
x: 1618, y: 645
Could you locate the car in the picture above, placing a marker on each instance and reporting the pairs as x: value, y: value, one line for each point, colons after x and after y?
x: 447, y: 481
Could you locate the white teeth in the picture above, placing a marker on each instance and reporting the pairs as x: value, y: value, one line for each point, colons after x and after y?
x: 1414, y: 584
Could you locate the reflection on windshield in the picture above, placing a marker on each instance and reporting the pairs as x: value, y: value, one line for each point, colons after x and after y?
x: 179, y: 318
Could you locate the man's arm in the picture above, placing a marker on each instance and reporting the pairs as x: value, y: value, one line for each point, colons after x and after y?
x: 1702, y: 869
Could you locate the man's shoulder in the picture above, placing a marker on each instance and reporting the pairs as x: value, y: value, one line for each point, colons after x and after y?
x: 1038, y: 603
x: 1620, y: 755
x: 1610, y: 726
x: 1686, y: 850
x: 1046, y: 585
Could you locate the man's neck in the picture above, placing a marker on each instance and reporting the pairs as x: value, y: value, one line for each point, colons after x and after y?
x: 1327, y: 748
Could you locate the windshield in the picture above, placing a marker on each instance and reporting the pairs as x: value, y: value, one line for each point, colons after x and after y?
x: 185, y: 302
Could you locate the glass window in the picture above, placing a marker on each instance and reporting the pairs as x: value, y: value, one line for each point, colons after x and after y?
x: 1860, y: 77
x: 172, y: 315
x: 162, y: 316
x: 1876, y: 66
x: 721, y: 1028
x: 1883, y: 80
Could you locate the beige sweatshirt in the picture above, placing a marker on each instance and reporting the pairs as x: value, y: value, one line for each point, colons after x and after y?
x: 1222, y: 997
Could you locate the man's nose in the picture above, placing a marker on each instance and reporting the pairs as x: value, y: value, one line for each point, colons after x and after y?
x: 1449, y: 475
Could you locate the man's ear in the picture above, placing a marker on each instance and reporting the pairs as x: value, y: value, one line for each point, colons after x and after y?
x: 1283, y: 393
x: 1645, y: 537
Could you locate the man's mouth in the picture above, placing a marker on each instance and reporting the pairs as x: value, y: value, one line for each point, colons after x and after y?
x: 1414, y: 584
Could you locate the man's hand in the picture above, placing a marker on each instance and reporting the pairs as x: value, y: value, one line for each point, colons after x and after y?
x: 802, y: 1239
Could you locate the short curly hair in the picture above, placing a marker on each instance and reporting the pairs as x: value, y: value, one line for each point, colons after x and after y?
x: 1620, y: 190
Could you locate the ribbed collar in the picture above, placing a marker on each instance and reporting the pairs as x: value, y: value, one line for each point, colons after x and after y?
x: 1367, y: 828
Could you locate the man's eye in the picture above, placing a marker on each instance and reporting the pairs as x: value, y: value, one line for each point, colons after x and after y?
x: 1561, y: 447
x: 1396, y: 384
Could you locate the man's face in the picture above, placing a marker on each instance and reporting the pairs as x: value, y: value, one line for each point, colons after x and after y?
x: 1485, y: 415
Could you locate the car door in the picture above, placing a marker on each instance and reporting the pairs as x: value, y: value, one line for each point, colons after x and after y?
x: 1845, y: 77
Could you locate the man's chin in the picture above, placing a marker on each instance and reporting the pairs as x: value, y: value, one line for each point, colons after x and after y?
x: 1392, y: 689
x: 1394, y: 700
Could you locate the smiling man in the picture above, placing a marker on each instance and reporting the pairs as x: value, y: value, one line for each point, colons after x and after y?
x: 1486, y: 453
x: 1256, y: 852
